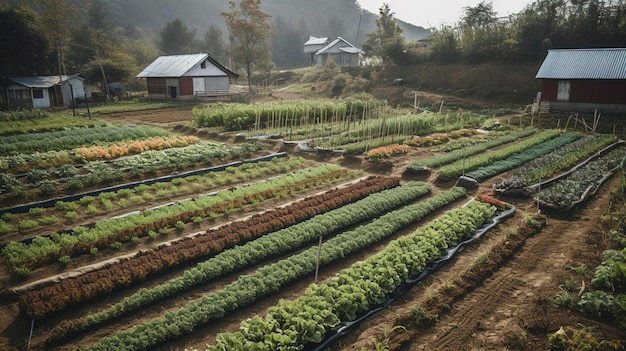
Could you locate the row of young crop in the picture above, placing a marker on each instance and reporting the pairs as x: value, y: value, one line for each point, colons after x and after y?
x: 464, y: 153
x: 399, y: 145
x: 437, y: 140
x: 460, y: 167
x: 247, y: 289
x: 543, y: 168
x: 567, y: 192
x: 27, y: 162
x: 355, y: 290
x: 518, y: 159
x: 68, y: 177
x: 369, y: 133
x: 110, y: 201
x: 276, y: 243
x: 42, y: 302
x: 35, y: 121
x: 278, y: 114
x: 356, y: 147
x: 75, y: 137
x: 42, y: 249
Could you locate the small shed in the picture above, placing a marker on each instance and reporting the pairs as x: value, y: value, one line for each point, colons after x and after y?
x: 314, y: 45
x: 341, y: 51
x: 187, y: 77
x: 45, y: 91
x: 584, y: 79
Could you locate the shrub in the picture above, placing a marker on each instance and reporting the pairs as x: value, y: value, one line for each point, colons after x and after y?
x: 48, y: 220
x: 86, y: 200
x: 22, y: 272
x: 47, y: 188
x: 91, y: 209
x: 66, y: 206
x: 180, y: 226
x: 70, y: 215
x: 65, y: 260
x: 36, y: 211
x: 5, y: 228
x: 27, y: 224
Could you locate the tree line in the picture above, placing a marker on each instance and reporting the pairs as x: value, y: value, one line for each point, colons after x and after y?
x: 480, y: 36
x: 63, y: 36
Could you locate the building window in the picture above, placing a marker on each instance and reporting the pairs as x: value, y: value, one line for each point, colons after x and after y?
x: 203, y: 65
x: 563, y: 90
x: 37, y: 94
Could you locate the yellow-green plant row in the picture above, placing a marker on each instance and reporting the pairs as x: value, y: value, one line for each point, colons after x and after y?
x: 74, y: 137
x: 457, y: 168
x: 242, y: 116
x: 111, y: 201
x: 42, y: 248
x: 29, y: 121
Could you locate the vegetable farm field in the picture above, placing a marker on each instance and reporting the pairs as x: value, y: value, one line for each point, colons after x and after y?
x: 147, y: 230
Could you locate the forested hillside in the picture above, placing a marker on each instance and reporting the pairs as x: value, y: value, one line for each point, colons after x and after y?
x: 323, y: 18
x: 120, y: 37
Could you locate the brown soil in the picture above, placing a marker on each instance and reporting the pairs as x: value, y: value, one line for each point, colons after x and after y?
x: 493, y: 296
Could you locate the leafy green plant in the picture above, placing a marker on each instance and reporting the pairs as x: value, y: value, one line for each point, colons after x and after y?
x: 566, y: 193
x: 27, y: 224
x: 564, y: 298
x: 611, y: 274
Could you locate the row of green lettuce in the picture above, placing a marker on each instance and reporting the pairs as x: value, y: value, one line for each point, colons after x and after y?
x: 247, y: 289
x: 355, y: 290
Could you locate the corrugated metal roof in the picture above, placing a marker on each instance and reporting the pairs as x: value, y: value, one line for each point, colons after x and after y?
x: 316, y: 41
x: 350, y: 50
x: 41, y: 82
x: 608, y: 63
x: 334, y: 43
x: 172, y: 66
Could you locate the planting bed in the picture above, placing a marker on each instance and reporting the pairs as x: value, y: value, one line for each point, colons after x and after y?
x: 475, y: 310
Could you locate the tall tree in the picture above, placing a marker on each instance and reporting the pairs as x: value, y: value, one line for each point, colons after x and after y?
x: 176, y: 38
x: 250, y: 33
x: 384, y: 40
x: 335, y: 27
x: 539, y: 27
x: 56, y: 17
x: 25, y: 46
x: 97, y: 51
x: 214, y: 43
x: 481, y: 34
x: 94, y: 35
x: 287, y: 43
x: 444, y: 44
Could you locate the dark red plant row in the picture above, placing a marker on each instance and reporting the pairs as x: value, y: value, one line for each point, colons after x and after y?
x: 41, y: 303
x: 142, y: 230
x: 492, y: 201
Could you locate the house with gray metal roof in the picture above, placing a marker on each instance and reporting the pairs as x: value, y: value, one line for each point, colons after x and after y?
x: 45, y: 91
x: 341, y: 51
x: 187, y: 77
x: 584, y: 79
x: 313, y: 45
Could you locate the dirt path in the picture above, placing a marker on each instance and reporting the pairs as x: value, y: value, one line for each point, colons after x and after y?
x: 510, y: 310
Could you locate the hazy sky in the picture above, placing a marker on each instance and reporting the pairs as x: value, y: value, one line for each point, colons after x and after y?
x: 433, y: 13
